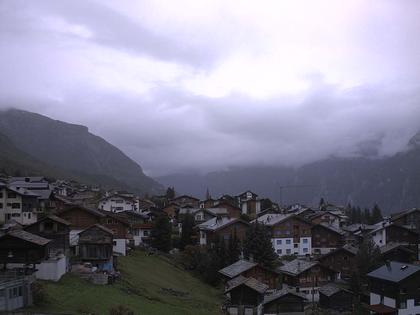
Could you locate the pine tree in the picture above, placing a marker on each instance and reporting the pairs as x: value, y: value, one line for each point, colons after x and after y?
x: 366, y: 216
x: 208, y: 196
x: 376, y: 214
x: 162, y: 233
x: 258, y: 246
x: 187, y: 232
x: 322, y: 204
x: 170, y: 193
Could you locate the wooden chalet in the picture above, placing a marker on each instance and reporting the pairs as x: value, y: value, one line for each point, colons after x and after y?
x: 222, y: 228
x: 332, y: 296
x: 56, y: 229
x: 326, y: 238
x: 246, y: 296
x: 19, y: 246
x: 250, y: 269
x: 80, y: 217
x: 95, y: 245
x: 401, y: 252
x: 284, y: 302
x: 342, y: 261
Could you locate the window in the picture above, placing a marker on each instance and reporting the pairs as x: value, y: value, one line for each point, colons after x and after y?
x: 278, y: 242
x: 11, y: 195
x: 279, y: 251
x: 305, y: 250
x: 15, y: 205
x: 114, y: 243
x: 403, y: 304
x: 295, y: 245
x: 1, y: 205
x: 288, y: 242
x: 1, y: 195
x: 15, y: 215
x: 146, y: 233
x: 403, y: 291
x: 305, y: 241
x: 119, y: 201
x: 119, y: 208
x: 288, y: 251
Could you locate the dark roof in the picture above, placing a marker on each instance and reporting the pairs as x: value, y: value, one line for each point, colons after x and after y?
x: 331, y: 228
x: 391, y: 246
x: 99, y: 227
x: 330, y: 289
x: 296, y: 267
x: 251, y: 283
x: 348, y: 248
x: 403, y: 213
x: 394, y: 271
x: 90, y: 210
x: 185, y: 196
x: 29, y: 237
x: 22, y: 191
x: 382, y: 309
x: 280, y: 294
x: 54, y: 218
x: 237, y: 268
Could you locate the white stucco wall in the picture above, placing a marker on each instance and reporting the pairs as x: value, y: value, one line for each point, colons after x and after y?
x: 52, y: 269
x: 285, y: 244
x: 120, y: 246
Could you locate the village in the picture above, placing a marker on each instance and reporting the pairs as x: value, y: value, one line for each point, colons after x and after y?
x: 266, y: 258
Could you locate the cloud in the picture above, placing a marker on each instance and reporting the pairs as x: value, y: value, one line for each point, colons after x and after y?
x: 203, y: 86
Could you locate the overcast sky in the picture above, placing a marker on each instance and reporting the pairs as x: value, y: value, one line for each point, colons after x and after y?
x: 203, y: 85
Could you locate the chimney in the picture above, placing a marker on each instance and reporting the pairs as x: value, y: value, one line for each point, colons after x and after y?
x: 388, y: 265
x: 298, y: 266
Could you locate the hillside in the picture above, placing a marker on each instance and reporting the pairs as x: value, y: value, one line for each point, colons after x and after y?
x: 69, y: 150
x: 150, y: 285
x: 392, y: 182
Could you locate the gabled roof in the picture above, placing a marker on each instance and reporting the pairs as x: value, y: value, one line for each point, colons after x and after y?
x: 94, y: 212
x: 391, y: 246
x: 185, y: 196
x: 331, y: 228
x: 330, y: 289
x: 394, y: 271
x: 218, y: 223
x: 22, y: 191
x: 297, y: 266
x: 53, y: 218
x: 403, y: 213
x: 99, y: 226
x: 280, y: 294
x: 237, y: 268
x: 249, y: 282
x: 29, y: 237
x: 245, y: 192
x: 348, y: 248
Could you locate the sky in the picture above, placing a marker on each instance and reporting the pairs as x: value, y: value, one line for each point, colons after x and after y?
x: 192, y: 85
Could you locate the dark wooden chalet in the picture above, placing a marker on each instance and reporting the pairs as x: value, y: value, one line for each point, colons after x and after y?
x: 326, y: 238
x: 409, y: 218
x: 401, y: 252
x: 81, y: 217
x: 185, y: 200
x: 245, y: 295
x: 118, y: 224
x: 19, y: 246
x: 95, y: 244
x: 222, y: 228
x: 250, y: 269
x: 331, y: 296
x: 342, y: 261
x: 284, y: 302
x: 56, y: 229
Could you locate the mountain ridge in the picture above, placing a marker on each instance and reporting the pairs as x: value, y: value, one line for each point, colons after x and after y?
x: 72, y: 150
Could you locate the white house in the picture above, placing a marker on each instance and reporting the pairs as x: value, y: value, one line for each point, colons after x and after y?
x: 18, y: 204
x: 118, y: 203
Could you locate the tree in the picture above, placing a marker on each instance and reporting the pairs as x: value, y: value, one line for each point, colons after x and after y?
x: 322, y: 204
x: 258, y: 246
x: 208, y: 196
x: 187, y: 231
x: 376, y: 214
x: 170, y: 193
x: 366, y: 216
x: 161, y: 233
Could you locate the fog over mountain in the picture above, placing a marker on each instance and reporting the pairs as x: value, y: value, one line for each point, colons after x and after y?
x: 222, y: 84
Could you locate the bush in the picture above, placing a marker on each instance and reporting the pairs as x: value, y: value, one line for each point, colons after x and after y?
x: 120, y: 310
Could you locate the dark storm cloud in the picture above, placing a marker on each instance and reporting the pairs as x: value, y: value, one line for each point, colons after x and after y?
x: 224, y: 85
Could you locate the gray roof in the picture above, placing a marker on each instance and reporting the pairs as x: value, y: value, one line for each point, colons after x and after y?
x: 22, y: 191
x: 217, y: 211
x: 330, y: 289
x: 296, y: 267
x: 332, y: 228
x: 217, y: 223
x: 391, y: 246
x: 249, y: 282
x: 272, y: 219
x: 278, y: 294
x: 237, y: 268
x: 29, y: 237
x: 394, y: 271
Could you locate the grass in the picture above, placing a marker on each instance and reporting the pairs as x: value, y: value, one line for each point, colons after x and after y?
x: 150, y: 285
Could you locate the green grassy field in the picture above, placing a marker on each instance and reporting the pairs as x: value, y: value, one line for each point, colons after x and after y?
x: 149, y: 286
